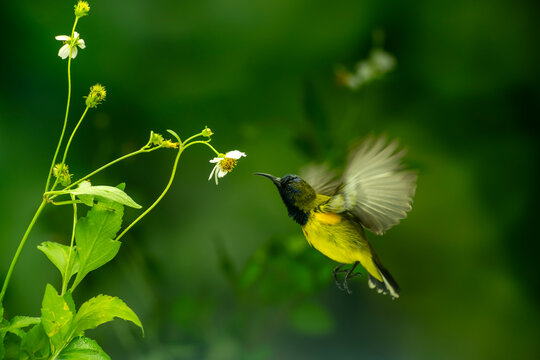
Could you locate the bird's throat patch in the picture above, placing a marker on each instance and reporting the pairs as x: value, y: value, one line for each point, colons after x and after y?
x: 327, y: 218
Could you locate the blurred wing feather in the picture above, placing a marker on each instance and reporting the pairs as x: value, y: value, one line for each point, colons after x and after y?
x: 375, y: 188
x: 323, y: 180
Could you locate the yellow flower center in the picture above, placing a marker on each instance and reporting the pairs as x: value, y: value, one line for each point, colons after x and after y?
x: 228, y: 164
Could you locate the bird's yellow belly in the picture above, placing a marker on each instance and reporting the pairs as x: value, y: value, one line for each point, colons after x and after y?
x: 334, y: 237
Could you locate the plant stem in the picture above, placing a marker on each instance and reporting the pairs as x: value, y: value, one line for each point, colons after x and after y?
x: 65, y: 279
x: 180, y: 150
x: 68, y: 145
x: 202, y: 142
x: 140, y: 151
x: 67, y: 112
x: 69, y: 202
x: 190, y: 138
x: 19, y: 249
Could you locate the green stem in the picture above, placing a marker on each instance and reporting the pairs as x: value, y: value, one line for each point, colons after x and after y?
x: 67, y: 112
x: 68, y: 145
x: 54, y: 193
x: 19, y: 249
x: 65, y: 279
x: 202, y: 142
x: 191, y: 138
x: 69, y: 202
x: 180, y: 150
x: 140, y: 151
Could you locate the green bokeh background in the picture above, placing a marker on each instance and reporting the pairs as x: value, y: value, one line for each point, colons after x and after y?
x: 220, y: 272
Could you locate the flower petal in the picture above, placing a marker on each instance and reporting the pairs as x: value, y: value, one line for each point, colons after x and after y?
x: 212, y: 172
x: 216, y: 176
x: 75, y: 34
x: 62, y: 38
x: 64, y: 51
x: 81, y: 44
x: 216, y: 160
x: 221, y: 173
x: 73, y: 52
x: 235, y: 154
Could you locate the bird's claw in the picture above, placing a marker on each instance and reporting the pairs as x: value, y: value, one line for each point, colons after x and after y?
x: 344, y: 286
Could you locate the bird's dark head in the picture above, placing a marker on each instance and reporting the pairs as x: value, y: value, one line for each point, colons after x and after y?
x: 296, y: 193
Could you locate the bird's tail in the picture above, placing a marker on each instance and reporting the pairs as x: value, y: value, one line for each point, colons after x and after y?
x: 386, y: 284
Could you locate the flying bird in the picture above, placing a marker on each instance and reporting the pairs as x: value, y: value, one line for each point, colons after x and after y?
x: 375, y: 192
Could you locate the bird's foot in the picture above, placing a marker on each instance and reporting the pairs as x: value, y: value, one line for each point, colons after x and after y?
x: 337, y: 271
x: 349, y: 274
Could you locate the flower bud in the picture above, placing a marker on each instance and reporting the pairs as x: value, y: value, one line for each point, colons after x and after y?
x: 62, y: 173
x: 169, y: 144
x: 156, y: 139
x: 82, y: 9
x: 207, y: 132
x: 96, y: 96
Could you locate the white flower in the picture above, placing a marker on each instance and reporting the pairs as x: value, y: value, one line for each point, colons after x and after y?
x: 383, y: 61
x: 225, y: 164
x: 70, y: 43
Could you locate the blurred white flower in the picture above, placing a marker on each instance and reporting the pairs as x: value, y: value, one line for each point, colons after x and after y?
x: 383, y: 61
x: 70, y: 43
x: 225, y: 164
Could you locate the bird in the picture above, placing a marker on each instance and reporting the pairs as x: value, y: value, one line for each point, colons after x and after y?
x: 374, y: 193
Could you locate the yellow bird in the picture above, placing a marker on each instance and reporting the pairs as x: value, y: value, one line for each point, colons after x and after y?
x: 374, y: 193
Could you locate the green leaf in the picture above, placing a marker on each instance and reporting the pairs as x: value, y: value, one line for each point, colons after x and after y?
x: 56, y: 316
x: 87, y: 200
x: 101, y: 309
x: 35, y: 345
x: 174, y: 134
x: 94, y: 235
x: 15, y: 326
x: 17, y: 323
x: 83, y: 348
x: 106, y: 192
x: 58, y: 254
x: 23, y: 321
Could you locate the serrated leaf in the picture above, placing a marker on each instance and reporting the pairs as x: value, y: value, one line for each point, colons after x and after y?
x: 102, y: 191
x: 58, y: 254
x: 23, y: 321
x: 83, y: 348
x: 56, y: 316
x: 87, y: 200
x: 35, y: 345
x: 101, y: 309
x: 68, y: 298
x: 94, y: 236
x: 17, y: 323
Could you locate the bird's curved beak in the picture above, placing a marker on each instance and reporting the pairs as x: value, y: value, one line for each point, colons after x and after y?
x: 274, y: 179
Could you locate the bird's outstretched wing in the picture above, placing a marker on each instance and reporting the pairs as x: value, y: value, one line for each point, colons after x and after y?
x: 375, y: 186
x: 323, y: 180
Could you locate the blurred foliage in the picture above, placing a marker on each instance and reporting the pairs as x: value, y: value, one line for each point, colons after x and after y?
x: 230, y: 276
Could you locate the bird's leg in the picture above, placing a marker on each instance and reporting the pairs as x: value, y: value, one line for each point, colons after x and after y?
x: 337, y: 271
x: 350, y: 275
x: 344, y: 286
